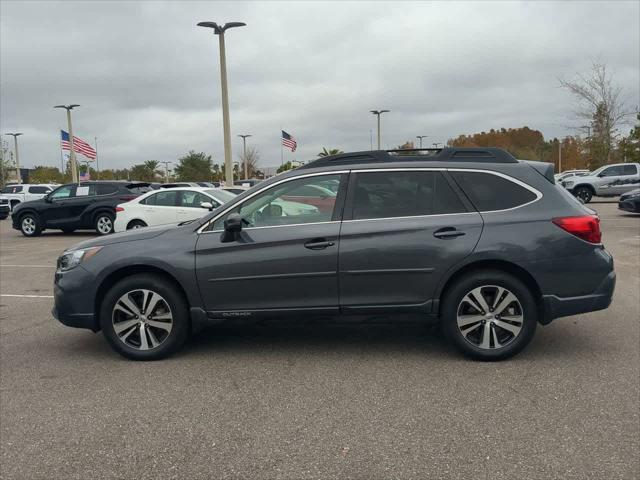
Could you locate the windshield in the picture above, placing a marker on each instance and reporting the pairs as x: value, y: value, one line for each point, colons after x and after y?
x: 221, y: 195
x: 598, y: 170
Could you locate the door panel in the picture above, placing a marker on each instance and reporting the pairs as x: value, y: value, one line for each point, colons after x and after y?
x: 284, y: 259
x: 399, y: 261
x: 402, y: 230
x: 269, y: 268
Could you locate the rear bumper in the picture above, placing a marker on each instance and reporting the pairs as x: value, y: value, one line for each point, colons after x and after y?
x: 556, y: 307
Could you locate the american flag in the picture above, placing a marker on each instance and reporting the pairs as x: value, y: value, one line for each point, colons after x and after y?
x: 79, y: 145
x: 85, y: 176
x: 288, y: 141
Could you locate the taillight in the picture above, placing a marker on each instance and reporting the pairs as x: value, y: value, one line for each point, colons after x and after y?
x: 586, y: 227
x: 127, y: 198
x: 119, y: 209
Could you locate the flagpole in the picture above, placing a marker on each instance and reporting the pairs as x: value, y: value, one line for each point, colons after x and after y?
x: 97, y: 164
x: 61, y: 155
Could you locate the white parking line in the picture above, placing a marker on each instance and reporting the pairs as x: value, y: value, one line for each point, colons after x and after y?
x: 25, y: 296
x: 28, y: 266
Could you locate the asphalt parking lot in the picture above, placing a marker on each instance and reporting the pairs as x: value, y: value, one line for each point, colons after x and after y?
x: 316, y: 401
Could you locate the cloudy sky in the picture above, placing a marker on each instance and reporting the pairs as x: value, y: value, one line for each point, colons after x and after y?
x: 148, y: 79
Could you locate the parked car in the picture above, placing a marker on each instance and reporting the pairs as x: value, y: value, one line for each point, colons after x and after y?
x: 630, y: 201
x: 5, y: 207
x: 570, y: 173
x: 26, y: 192
x: 174, y: 205
x: 70, y: 207
x: 462, y: 236
x: 606, y: 181
x: 209, y: 184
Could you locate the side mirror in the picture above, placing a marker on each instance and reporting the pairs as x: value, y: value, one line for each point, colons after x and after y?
x: 207, y: 205
x: 47, y: 199
x: 233, y: 223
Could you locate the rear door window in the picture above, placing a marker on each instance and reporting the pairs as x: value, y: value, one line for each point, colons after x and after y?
x: 403, y: 194
x: 105, y: 189
x: 167, y: 198
x: 629, y: 170
x: 12, y: 189
x: 39, y: 189
x: 489, y: 192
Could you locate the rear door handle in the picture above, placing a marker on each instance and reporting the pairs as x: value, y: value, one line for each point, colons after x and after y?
x: 448, y: 232
x: 318, y: 244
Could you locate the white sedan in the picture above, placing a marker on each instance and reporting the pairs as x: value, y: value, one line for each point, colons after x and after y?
x: 167, y: 206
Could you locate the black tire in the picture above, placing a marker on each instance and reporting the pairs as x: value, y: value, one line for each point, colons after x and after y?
x: 30, y: 225
x: 2, y: 217
x: 491, y: 281
x: 68, y: 230
x: 103, y: 223
x: 583, y: 193
x: 136, y: 224
x: 175, y: 339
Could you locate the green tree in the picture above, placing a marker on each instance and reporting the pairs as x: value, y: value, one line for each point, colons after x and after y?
x: 329, y: 152
x: 629, y: 147
x: 284, y: 167
x: 43, y: 174
x: 194, y: 167
x: 152, y: 166
x: 142, y: 173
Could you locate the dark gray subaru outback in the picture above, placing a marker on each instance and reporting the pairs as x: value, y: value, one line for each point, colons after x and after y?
x: 484, y: 243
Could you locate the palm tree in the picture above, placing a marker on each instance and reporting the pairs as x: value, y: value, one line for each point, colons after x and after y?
x: 152, y: 167
x: 328, y: 153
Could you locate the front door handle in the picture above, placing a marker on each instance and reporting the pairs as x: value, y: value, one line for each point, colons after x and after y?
x: 318, y: 244
x: 448, y: 232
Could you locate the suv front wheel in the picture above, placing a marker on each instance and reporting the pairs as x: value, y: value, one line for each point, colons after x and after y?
x: 489, y: 315
x: 30, y: 225
x: 144, y: 317
x: 583, y: 193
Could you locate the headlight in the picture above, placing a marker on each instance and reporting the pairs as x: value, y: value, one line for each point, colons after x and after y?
x: 73, y: 258
x: 568, y: 184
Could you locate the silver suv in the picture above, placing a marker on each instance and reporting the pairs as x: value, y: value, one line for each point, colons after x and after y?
x: 606, y: 181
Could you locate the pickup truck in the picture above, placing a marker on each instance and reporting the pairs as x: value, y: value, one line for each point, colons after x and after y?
x: 606, y: 181
x: 18, y: 193
x: 5, y: 208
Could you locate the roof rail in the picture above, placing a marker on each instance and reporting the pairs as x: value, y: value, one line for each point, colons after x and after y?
x: 447, y: 154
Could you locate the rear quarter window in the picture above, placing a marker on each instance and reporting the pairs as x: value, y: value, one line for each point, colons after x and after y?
x: 490, y: 192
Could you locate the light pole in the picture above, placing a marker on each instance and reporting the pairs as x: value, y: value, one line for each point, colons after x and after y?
x: 15, y: 142
x: 72, y: 153
x: 244, y: 154
x: 166, y: 170
x: 420, y: 137
x: 219, y: 30
x: 435, y: 144
x: 378, y: 113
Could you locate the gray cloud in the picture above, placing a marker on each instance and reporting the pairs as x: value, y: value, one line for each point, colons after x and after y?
x: 148, y: 80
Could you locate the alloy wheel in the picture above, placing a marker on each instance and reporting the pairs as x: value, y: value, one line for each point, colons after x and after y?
x: 28, y: 225
x: 104, y: 225
x: 142, y: 319
x: 490, y: 317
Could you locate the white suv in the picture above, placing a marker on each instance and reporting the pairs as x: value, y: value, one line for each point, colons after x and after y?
x: 606, y: 181
x: 25, y: 192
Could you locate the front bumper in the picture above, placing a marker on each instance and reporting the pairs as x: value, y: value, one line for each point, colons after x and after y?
x: 630, y: 205
x: 5, y: 209
x: 556, y: 307
x: 74, y: 299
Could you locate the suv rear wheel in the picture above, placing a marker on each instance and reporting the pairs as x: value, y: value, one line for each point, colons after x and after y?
x: 143, y: 317
x: 489, y: 315
x: 584, y: 193
x: 104, y: 223
x: 30, y: 225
